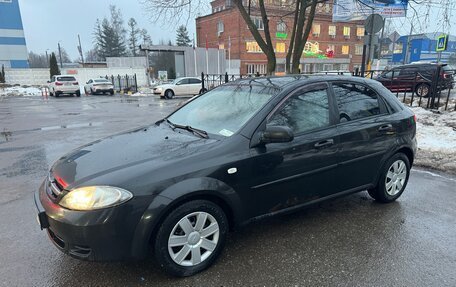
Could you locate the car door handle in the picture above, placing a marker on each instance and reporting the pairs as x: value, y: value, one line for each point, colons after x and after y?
x: 325, y: 143
x: 386, y: 128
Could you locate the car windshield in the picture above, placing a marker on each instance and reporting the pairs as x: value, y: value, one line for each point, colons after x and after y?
x: 223, y: 111
x: 102, y: 81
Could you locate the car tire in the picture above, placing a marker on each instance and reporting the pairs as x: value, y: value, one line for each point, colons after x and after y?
x: 78, y: 93
x: 111, y: 92
x: 56, y: 94
x: 423, y: 90
x: 190, y: 246
x: 202, y: 91
x: 169, y: 94
x: 393, y: 179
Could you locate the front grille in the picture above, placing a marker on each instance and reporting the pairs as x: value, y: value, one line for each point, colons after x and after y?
x: 57, y: 240
x: 80, y: 251
x: 53, y: 187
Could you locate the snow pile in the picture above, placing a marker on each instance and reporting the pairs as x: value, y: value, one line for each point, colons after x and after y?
x: 23, y: 91
x: 143, y: 92
x: 436, y: 136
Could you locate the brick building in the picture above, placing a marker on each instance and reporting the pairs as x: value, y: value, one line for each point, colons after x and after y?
x: 330, y: 46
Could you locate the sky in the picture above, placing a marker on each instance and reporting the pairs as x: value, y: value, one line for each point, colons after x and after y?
x: 47, y: 22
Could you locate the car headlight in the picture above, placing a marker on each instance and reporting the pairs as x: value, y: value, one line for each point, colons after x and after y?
x: 94, y: 197
x: 158, y: 89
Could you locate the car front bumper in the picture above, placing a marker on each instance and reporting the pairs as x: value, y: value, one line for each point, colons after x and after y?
x: 99, y: 235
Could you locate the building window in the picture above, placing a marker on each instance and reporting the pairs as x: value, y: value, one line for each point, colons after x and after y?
x: 358, y: 49
x: 347, y: 32
x: 331, y: 48
x: 280, y: 48
x: 281, y: 27
x: 316, y: 30
x: 221, y: 46
x: 332, y: 31
x: 345, y: 49
x: 360, y: 32
x: 256, y: 69
x: 258, y: 21
x: 220, y: 28
x: 252, y: 47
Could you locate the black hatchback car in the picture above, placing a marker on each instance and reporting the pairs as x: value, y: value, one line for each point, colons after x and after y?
x: 243, y: 151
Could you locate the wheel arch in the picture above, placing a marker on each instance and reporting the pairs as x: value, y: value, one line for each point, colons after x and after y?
x: 403, y: 149
x: 178, y: 194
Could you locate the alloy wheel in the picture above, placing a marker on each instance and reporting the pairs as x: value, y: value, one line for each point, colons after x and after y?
x: 395, y: 177
x: 193, y: 239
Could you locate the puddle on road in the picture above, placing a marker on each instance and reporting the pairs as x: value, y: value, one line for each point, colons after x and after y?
x: 6, y: 135
x: 71, y: 126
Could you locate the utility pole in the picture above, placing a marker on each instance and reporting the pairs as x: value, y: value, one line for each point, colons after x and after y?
x: 80, y: 49
x: 408, y: 44
x: 47, y: 59
x: 60, y: 55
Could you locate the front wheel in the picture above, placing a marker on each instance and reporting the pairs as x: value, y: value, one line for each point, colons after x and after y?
x: 191, y: 238
x: 169, y: 94
x: 202, y: 91
x: 393, y: 180
x: 423, y: 90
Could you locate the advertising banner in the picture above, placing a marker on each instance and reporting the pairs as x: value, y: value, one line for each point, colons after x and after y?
x: 353, y: 10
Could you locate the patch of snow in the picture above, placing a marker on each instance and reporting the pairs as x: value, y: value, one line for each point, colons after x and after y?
x: 20, y: 91
x: 436, y: 136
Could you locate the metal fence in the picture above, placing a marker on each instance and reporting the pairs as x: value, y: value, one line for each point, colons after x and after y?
x: 124, y: 83
x: 210, y: 81
x: 431, y: 90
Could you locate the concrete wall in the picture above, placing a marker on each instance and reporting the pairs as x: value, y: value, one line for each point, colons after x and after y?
x: 41, y: 76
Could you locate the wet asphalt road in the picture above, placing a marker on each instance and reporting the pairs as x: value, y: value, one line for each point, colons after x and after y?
x: 351, y: 241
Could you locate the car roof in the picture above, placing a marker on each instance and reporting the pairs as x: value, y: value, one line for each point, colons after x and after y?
x: 66, y: 76
x: 414, y: 65
x: 282, y: 82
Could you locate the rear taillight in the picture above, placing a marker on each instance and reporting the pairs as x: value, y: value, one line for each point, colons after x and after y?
x: 446, y: 76
x: 58, y: 84
x: 414, y: 118
x: 75, y: 83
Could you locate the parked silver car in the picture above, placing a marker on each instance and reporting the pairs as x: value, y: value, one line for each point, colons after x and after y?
x: 99, y: 86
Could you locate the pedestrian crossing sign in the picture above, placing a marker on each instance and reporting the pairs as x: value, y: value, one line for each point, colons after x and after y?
x: 442, y: 42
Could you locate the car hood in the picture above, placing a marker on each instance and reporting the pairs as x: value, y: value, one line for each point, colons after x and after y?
x: 155, y: 146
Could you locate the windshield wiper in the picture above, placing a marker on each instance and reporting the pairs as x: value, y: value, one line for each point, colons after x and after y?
x: 195, y: 131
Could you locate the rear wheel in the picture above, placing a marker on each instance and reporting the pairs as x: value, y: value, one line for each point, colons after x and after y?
x: 202, y: 91
x: 78, y: 93
x: 191, y: 238
x: 423, y: 90
x: 169, y: 94
x: 111, y: 92
x: 393, y: 180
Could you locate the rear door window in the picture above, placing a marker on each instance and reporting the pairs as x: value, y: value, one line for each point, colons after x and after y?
x: 356, y: 101
x: 183, y: 82
x: 195, y: 81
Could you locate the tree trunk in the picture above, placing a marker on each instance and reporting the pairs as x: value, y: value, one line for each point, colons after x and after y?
x: 267, y: 47
x: 301, y: 38
x: 292, y: 39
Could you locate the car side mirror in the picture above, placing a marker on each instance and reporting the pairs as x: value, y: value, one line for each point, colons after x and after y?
x: 48, y: 82
x: 276, y: 134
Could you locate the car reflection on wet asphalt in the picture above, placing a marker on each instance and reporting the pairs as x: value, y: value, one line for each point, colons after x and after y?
x: 351, y: 241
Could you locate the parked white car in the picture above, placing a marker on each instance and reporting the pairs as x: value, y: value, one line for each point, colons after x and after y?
x: 99, y: 86
x: 63, y: 84
x: 179, y: 87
